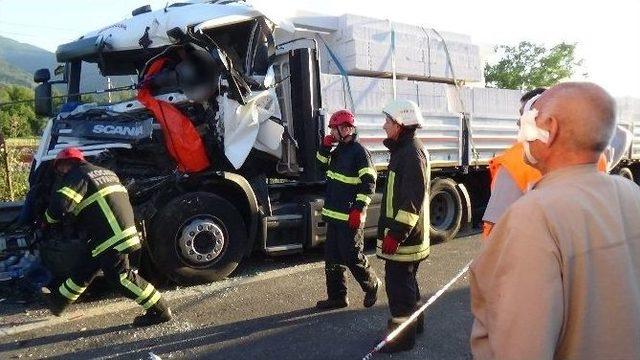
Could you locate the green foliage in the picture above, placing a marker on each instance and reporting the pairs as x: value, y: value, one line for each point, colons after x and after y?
x: 19, y: 152
x: 528, y: 66
x: 19, y: 119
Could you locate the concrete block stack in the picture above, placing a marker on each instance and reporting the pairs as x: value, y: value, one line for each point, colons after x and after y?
x: 363, y: 46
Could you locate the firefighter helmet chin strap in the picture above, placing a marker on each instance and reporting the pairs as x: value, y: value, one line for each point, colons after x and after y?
x: 341, y: 137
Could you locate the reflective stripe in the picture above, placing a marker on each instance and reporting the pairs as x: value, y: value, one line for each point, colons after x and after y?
x: 399, y: 320
x: 129, y: 243
x: 407, y: 218
x: 364, y: 198
x: 389, y: 200
x: 335, y: 214
x: 114, y: 239
x: 71, y: 194
x: 323, y: 159
x: 405, y: 253
x: 407, y: 249
x: 74, y: 287
x: 99, y: 194
x: 108, y: 214
x: 145, y: 294
x: 154, y: 299
x: 66, y: 293
x: 50, y: 220
x: 368, y: 170
x: 142, y: 294
x: 352, y: 180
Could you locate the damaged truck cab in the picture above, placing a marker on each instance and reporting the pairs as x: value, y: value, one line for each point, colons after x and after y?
x: 217, y: 150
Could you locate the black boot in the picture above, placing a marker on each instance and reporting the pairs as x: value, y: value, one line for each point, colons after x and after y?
x: 54, y: 303
x: 420, y: 324
x: 330, y: 304
x: 371, y: 296
x: 158, y: 314
x: 404, y: 341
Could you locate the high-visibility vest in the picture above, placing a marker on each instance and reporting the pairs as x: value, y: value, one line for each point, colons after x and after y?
x: 513, y: 161
x: 602, y: 163
x: 523, y: 174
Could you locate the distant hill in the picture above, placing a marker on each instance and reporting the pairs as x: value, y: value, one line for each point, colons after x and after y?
x: 18, y: 62
x: 11, y: 75
x: 26, y: 57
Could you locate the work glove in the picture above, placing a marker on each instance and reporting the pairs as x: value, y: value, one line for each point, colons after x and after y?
x: 390, y: 244
x: 328, y: 141
x: 355, y: 218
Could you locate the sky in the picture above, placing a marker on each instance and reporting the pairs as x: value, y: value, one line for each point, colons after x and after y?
x: 607, y: 33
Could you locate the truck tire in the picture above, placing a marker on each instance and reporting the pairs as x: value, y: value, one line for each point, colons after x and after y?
x: 445, y: 210
x: 197, y: 238
x: 626, y: 173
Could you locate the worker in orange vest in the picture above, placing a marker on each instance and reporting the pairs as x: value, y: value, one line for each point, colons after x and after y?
x: 511, y: 176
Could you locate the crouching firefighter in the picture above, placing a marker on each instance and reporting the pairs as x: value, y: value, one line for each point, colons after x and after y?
x: 403, y: 236
x: 351, y: 180
x: 101, y: 206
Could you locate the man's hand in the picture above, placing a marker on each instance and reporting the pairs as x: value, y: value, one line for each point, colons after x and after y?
x: 355, y: 218
x: 390, y: 245
x: 328, y: 141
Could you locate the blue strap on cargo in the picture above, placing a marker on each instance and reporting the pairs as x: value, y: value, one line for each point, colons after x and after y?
x: 343, y: 73
x: 393, y: 60
x: 465, y: 114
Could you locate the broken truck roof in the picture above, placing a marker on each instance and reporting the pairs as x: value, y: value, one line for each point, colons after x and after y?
x: 126, y: 35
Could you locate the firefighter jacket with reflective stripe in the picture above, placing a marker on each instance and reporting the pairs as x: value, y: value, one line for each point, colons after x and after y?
x: 404, y: 210
x: 351, y: 179
x: 101, y: 204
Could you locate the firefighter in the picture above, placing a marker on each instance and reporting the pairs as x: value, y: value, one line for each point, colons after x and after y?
x: 100, y: 204
x: 402, y: 229
x: 351, y: 180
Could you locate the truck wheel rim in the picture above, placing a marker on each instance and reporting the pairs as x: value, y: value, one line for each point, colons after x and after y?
x: 442, y: 211
x: 202, y: 241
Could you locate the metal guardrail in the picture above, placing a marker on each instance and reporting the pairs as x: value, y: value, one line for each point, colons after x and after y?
x: 10, y: 210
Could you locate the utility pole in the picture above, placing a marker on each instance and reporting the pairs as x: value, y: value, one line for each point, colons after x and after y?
x: 6, y: 165
x: 109, y: 87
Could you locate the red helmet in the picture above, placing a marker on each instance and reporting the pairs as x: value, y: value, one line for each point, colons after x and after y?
x: 70, y: 153
x: 342, y: 117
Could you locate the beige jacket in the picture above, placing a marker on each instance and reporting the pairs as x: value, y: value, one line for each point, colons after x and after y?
x: 560, y: 274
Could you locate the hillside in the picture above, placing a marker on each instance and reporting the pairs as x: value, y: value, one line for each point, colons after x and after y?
x: 11, y: 75
x: 18, y: 62
x: 25, y: 57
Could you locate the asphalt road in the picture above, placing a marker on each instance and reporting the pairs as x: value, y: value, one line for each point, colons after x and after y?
x: 265, y: 311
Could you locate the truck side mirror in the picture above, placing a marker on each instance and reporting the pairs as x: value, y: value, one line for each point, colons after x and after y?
x: 41, y: 75
x: 43, y: 100
x: 59, y: 70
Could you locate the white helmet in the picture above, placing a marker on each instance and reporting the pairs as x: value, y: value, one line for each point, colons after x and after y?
x: 404, y: 112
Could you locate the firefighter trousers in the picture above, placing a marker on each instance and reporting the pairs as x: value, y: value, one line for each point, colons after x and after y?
x: 343, y: 249
x: 115, y: 267
x: 402, y: 287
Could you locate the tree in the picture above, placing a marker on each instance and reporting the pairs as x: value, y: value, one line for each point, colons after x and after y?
x: 528, y: 65
x: 19, y: 119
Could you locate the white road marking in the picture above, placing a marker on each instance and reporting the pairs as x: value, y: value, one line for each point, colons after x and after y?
x: 417, y: 313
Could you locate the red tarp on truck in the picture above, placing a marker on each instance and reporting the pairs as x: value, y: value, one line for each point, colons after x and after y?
x: 181, y: 138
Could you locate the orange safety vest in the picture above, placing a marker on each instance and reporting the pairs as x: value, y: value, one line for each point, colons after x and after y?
x: 523, y: 174
x: 513, y: 161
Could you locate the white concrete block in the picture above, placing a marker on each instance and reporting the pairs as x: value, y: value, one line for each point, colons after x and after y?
x: 498, y: 102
